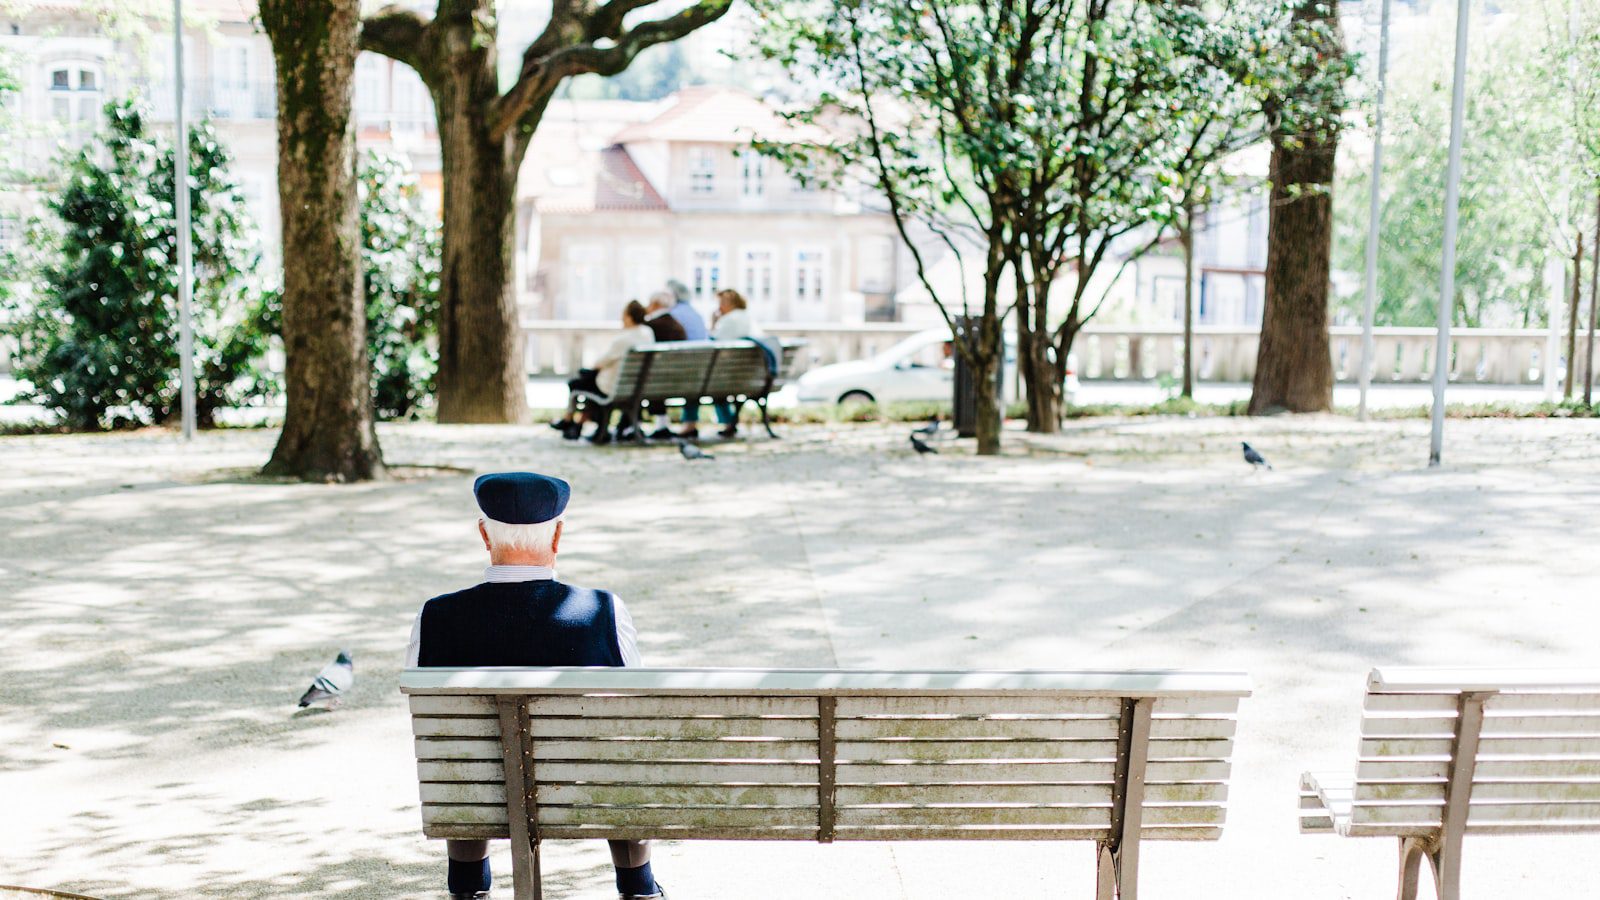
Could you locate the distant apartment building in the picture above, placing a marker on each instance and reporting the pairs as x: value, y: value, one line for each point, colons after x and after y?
x: 69, y: 66
x: 615, y: 198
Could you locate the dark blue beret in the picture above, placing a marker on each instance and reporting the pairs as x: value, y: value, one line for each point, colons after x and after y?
x: 521, y: 498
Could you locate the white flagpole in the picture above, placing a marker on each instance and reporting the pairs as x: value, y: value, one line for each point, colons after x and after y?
x: 180, y: 190
x: 1452, y: 196
x: 1371, y: 304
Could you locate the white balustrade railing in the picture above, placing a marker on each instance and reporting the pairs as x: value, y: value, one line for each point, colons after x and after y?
x: 1402, y: 355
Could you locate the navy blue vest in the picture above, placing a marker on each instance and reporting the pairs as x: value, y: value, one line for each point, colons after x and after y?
x: 521, y: 623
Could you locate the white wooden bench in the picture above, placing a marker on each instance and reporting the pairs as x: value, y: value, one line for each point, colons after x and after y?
x: 1445, y: 753
x: 824, y: 755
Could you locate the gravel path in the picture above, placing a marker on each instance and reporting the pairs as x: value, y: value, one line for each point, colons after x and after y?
x: 164, y: 609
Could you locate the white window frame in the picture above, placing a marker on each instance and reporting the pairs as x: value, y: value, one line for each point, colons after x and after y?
x: 644, y: 270
x: 752, y: 174
x: 584, y: 266
x: 81, y: 104
x: 810, y: 291
x: 758, y: 280
x: 708, y: 272
x: 702, y: 171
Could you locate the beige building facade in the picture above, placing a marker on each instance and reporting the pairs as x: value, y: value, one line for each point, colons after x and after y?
x: 616, y: 198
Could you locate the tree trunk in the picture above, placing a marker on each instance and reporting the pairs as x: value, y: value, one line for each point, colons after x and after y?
x: 1294, y: 369
x: 481, y: 376
x: 989, y: 409
x: 327, y: 432
x: 1041, y: 378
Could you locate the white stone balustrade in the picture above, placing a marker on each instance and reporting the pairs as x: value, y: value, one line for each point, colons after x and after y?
x: 1402, y: 355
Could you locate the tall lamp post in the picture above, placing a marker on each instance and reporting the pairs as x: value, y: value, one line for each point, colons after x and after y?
x: 180, y: 191
x: 1452, y: 198
x: 1371, y: 302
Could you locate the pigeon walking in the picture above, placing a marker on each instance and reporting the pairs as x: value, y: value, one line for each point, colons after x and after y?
x: 930, y: 429
x: 691, y: 452
x: 334, y: 679
x: 918, y: 445
x: 1254, y: 458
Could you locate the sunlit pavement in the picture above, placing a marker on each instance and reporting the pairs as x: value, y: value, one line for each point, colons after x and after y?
x: 164, y: 609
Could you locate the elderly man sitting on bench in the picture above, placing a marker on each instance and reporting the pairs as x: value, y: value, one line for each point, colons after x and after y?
x: 520, y: 615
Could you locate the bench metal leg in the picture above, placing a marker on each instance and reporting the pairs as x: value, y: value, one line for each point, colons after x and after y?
x: 1411, y: 853
x: 766, y: 421
x: 1105, y: 873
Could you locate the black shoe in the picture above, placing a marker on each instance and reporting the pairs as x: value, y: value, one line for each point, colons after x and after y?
x: 571, y: 430
x: 475, y: 895
x: 690, y: 434
x: 559, y: 424
x: 729, y: 433
x: 660, y: 894
x: 662, y: 434
x: 600, y: 438
x: 628, y: 434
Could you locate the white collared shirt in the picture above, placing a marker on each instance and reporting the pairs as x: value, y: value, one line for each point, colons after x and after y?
x: 627, y: 635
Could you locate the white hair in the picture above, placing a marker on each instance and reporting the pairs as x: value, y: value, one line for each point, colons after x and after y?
x: 537, y: 536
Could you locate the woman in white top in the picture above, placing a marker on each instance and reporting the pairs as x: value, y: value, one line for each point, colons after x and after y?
x: 731, y: 323
x: 602, y: 379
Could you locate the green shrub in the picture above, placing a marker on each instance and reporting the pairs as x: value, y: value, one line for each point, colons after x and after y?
x: 401, y: 258
x: 98, y: 342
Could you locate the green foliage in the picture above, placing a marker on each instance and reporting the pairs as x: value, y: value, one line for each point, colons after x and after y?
x: 100, y: 344
x: 1530, y: 167
x: 401, y: 259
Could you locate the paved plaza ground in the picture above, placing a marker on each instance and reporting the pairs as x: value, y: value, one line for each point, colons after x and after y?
x: 164, y: 609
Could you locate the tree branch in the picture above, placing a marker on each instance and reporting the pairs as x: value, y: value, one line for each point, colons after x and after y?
x: 541, y: 75
x: 397, y: 33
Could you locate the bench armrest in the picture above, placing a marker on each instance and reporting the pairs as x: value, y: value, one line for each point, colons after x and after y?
x: 1325, y: 799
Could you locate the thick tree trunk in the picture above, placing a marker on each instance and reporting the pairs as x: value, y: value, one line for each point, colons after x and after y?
x: 1294, y: 369
x: 327, y: 433
x: 481, y: 376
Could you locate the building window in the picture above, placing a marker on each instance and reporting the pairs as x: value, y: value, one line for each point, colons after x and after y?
x: 75, y: 89
x: 877, y: 265
x: 702, y: 171
x: 586, y: 281
x: 755, y: 275
x: 643, y: 271
x: 809, y: 275
x: 705, y: 274
x: 752, y: 174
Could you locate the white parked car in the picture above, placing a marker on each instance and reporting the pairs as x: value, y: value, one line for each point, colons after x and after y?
x: 921, y: 367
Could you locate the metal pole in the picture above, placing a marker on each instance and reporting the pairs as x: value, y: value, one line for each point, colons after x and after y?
x: 1572, y: 318
x: 1452, y: 198
x: 180, y: 191
x: 1371, y: 304
x: 1594, y: 295
x: 1186, y: 234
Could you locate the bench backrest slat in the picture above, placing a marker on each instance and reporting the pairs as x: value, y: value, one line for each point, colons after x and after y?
x: 1536, y: 765
x: 713, y: 753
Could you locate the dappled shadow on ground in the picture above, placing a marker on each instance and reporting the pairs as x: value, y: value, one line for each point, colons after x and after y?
x: 163, y: 615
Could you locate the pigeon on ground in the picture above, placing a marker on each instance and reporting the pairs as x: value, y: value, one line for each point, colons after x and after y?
x: 1254, y: 458
x: 692, y: 452
x: 334, y: 679
x: 929, y: 429
x: 918, y: 445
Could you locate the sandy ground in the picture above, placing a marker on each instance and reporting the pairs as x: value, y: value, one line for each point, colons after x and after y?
x: 163, y: 610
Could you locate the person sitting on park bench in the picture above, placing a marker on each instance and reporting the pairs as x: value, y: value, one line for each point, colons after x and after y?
x: 600, y: 381
x: 520, y: 615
